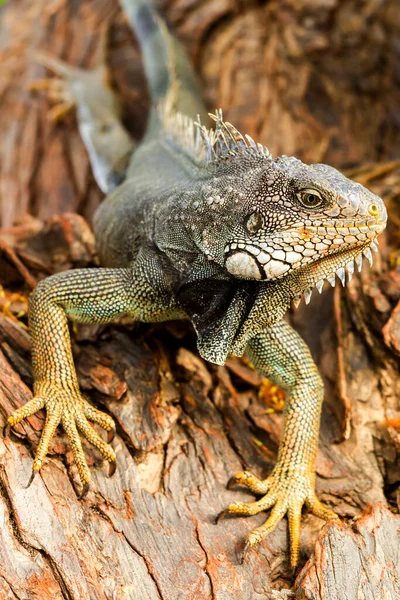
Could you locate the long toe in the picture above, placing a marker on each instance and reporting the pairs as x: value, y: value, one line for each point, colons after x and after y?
x: 99, y: 417
x: 294, y: 518
x: 248, y: 508
x: 93, y: 437
x: 259, y: 533
x: 52, y: 421
x: 68, y: 422
x: 246, y: 479
x: 319, y: 510
x: 27, y: 410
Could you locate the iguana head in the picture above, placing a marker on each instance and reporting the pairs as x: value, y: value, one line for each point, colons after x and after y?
x: 269, y: 219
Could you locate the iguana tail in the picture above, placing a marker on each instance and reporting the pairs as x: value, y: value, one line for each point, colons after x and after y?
x: 169, y: 73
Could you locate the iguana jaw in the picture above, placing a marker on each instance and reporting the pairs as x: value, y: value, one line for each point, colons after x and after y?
x: 291, y: 250
x: 328, y: 268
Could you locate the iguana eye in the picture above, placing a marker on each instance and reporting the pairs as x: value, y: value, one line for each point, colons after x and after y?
x: 310, y: 198
x: 254, y: 222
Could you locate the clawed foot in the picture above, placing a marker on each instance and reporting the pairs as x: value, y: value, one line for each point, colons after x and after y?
x: 73, y: 86
x: 71, y: 409
x: 57, y: 91
x: 286, y: 493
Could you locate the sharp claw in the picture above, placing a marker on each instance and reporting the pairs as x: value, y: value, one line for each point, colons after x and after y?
x: 221, y: 515
x: 231, y: 483
x: 244, y: 552
x: 112, y: 468
x: 9, y: 429
x: 294, y: 574
x: 111, y: 435
x: 6, y: 429
x: 31, y: 478
x: 85, y: 489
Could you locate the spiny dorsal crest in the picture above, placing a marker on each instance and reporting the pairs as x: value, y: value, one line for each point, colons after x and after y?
x: 205, y: 146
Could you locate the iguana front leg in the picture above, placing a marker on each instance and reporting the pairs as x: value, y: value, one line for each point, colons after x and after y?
x: 282, y: 356
x: 89, y: 296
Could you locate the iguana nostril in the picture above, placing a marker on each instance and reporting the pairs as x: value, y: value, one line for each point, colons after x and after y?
x: 373, y: 210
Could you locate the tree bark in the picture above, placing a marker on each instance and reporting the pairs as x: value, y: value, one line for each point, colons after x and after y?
x: 312, y: 79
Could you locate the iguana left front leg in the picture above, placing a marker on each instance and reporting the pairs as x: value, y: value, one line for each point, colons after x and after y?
x: 282, y: 356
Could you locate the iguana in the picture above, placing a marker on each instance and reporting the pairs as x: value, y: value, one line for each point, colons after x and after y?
x: 199, y: 224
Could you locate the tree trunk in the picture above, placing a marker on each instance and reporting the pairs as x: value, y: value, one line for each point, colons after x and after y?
x: 312, y: 79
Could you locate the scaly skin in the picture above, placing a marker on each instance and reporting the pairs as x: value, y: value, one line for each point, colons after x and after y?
x: 207, y: 226
x: 282, y: 356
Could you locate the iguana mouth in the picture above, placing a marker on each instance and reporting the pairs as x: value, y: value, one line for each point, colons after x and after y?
x: 252, y: 263
x: 295, y: 248
x: 327, y: 269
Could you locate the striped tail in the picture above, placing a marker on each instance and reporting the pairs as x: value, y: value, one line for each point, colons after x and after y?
x: 170, y: 75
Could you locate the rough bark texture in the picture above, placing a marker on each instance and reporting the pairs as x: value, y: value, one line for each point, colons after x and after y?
x: 316, y: 79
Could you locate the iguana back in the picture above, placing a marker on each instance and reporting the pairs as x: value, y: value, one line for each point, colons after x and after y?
x: 162, y: 161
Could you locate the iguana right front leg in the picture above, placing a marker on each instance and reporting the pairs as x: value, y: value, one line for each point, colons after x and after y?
x: 86, y: 296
